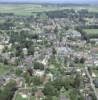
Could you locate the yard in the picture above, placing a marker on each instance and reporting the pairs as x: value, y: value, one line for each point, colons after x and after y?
x: 24, y: 94
x: 23, y: 97
x: 19, y: 97
x: 96, y: 72
x: 25, y: 9
x: 91, y: 31
x: 3, y: 68
x: 97, y: 90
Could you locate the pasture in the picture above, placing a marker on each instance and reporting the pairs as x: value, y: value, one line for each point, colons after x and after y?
x: 27, y: 9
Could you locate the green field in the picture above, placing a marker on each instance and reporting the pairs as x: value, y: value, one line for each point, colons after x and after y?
x: 27, y: 9
x: 96, y: 72
x: 97, y: 90
x: 19, y: 97
x: 91, y: 31
x: 3, y: 69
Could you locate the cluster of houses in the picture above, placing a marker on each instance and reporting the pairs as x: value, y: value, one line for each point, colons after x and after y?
x: 70, y: 45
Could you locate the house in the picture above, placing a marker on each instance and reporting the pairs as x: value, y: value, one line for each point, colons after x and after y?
x: 62, y: 94
x: 88, y: 97
x: 25, y: 51
x: 96, y: 62
x: 13, y: 60
x: 95, y: 40
x: 5, y: 56
x: 50, y: 75
x: 28, y: 60
x: 19, y: 82
x: 2, y: 81
x: 70, y: 70
x: 62, y: 51
x: 96, y: 83
x: 1, y: 48
x: 89, y: 63
x: 73, y: 34
x: 39, y: 73
x: 93, y: 75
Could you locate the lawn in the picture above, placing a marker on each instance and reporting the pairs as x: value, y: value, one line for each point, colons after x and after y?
x: 3, y: 68
x: 96, y: 72
x: 32, y: 98
x: 91, y: 31
x: 19, y: 97
x: 97, y: 90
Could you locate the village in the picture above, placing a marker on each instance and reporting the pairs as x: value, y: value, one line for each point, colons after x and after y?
x: 48, y: 57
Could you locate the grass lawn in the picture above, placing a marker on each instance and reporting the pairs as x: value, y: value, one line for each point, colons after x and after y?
x: 91, y: 31
x: 32, y: 98
x: 19, y: 97
x: 96, y: 72
x: 55, y: 98
x: 3, y: 68
x: 97, y: 90
x: 93, y: 9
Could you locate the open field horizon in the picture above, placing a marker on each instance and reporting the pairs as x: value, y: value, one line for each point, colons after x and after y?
x: 27, y: 9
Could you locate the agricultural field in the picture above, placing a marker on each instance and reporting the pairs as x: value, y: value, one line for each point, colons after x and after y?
x: 27, y: 9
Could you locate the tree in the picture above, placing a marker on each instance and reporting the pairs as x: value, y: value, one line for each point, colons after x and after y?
x: 76, y: 60
x: 30, y: 71
x: 65, y: 59
x: 8, y: 91
x: 38, y: 66
x: 74, y: 94
x: 77, y: 81
x: 31, y: 50
x: 27, y: 78
x: 58, y: 83
x: 54, y: 51
x: 84, y: 34
x: 37, y: 81
x: 68, y: 81
x: 82, y: 60
x: 50, y: 90
x: 34, y: 89
x: 18, y: 72
x: 56, y: 30
x: 5, y: 49
x: 90, y: 70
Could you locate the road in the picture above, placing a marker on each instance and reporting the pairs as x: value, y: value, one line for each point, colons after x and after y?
x: 91, y: 82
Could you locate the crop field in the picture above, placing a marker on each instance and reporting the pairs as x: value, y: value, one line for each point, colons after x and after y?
x: 27, y: 9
